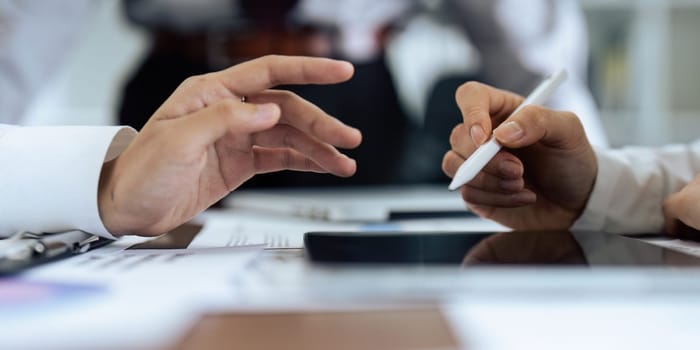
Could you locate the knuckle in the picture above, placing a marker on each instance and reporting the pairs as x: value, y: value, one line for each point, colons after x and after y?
x: 187, y: 83
x: 195, y: 80
x: 471, y: 113
x: 532, y: 111
x: 270, y: 64
x: 467, y: 88
x: 534, y: 115
x: 572, y: 118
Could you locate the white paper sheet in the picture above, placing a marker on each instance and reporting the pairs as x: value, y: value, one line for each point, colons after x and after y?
x: 240, y: 228
x: 141, y: 298
x: 231, y: 228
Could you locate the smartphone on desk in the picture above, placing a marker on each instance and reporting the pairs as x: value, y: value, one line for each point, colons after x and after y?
x: 390, y: 247
x: 554, y: 248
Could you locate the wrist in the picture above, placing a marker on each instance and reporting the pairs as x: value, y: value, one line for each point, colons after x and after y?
x: 105, y: 199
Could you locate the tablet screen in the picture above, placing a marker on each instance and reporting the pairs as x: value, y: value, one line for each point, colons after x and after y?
x: 477, y: 248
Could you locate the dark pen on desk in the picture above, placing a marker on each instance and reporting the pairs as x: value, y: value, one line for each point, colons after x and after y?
x: 23, y: 247
x: 20, y: 247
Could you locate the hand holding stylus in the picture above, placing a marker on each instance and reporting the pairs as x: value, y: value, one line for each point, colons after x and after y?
x: 544, y: 174
x: 478, y: 160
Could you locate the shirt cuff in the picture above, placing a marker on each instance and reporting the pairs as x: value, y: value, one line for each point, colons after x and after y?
x: 628, y: 194
x: 596, y: 212
x: 51, y: 176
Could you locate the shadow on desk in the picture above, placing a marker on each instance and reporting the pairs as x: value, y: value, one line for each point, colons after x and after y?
x: 423, y: 328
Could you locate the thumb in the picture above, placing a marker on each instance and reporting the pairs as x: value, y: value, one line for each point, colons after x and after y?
x: 537, y: 124
x: 213, y: 122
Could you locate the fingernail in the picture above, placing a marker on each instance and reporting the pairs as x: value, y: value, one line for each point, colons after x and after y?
x: 478, y: 134
x: 509, y: 132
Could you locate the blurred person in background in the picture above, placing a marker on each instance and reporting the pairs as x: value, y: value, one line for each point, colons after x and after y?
x: 410, y: 57
x: 35, y: 39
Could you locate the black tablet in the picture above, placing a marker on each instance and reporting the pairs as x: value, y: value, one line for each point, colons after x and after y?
x: 511, y: 248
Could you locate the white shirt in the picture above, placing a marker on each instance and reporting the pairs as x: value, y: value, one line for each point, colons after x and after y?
x: 49, y: 176
x: 632, y: 184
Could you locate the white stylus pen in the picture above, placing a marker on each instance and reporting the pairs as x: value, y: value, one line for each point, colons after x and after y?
x: 478, y: 160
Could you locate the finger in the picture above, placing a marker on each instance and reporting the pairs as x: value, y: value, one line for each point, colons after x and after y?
x: 310, y: 119
x: 269, y: 160
x: 260, y: 74
x: 533, y: 124
x: 490, y: 183
x: 483, y: 106
x: 323, y: 154
x: 213, y: 122
x: 504, y: 165
x: 451, y: 162
x: 480, y: 197
x: 461, y: 141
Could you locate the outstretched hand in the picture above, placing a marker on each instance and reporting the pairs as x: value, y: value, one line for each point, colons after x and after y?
x: 215, y: 132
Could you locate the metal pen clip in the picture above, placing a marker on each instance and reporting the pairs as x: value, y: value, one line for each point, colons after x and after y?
x: 84, y: 245
x: 73, y: 241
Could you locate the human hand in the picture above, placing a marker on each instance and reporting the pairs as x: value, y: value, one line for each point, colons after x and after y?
x: 526, y: 247
x: 543, y: 176
x: 204, y: 142
x: 682, y: 210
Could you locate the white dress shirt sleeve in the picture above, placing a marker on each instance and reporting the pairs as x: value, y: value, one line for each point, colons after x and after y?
x: 632, y: 184
x: 49, y: 176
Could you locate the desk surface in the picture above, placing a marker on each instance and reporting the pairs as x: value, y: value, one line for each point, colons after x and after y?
x: 404, y: 328
x: 289, y: 303
x: 281, y: 297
